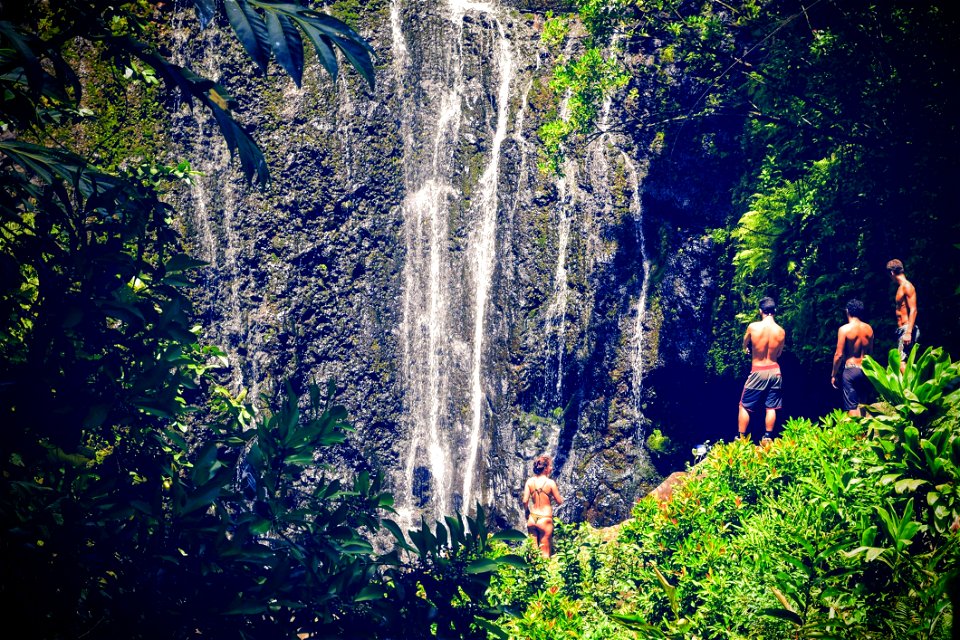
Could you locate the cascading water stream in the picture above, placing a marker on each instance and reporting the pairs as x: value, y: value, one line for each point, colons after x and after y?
x: 432, y: 295
x: 485, y: 243
x: 424, y: 301
x: 557, y: 313
x: 636, y: 209
x: 558, y: 309
x: 210, y: 195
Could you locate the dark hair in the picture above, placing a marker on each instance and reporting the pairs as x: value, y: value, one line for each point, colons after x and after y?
x: 896, y: 266
x: 855, y: 308
x: 768, y: 307
x: 540, y: 464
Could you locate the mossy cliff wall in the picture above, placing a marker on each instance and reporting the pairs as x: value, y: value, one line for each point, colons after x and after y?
x: 474, y: 311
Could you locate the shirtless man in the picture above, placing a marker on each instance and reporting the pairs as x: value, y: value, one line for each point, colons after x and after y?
x: 537, y: 495
x: 854, y: 340
x: 764, y: 342
x: 906, y: 307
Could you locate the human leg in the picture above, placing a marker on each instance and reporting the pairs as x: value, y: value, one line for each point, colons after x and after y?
x: 772, y: 402
x: 546, y: 525
x: 851, y: 385
x: 770, y: 420
x: 536, y: 533
x: 743, y: 421
x: 751, y: 397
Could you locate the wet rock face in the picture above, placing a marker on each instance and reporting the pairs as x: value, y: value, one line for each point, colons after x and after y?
x: 474, y: 312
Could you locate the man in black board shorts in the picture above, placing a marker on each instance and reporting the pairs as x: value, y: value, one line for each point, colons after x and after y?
x: 854, y: 340
x: 764, y: 341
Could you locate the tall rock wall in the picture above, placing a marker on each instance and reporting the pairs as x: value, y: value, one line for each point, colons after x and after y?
x: 473, y: 311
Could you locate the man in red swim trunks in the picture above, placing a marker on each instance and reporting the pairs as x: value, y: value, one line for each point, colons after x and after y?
x: 764, y: 342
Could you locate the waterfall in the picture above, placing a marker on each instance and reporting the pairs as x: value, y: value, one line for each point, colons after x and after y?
x: 636, y: 209
x: 410, y: 249
x: 213, y: 202
x: 485, y: 244
x: 434, y: 297
x: 557, y: 313
x: 558, y: 309
x: 424, y: 315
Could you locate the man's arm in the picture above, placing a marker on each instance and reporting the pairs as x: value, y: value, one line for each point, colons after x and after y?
x: 746, y: 341
x: 837, y: 357
x: 911, y: 293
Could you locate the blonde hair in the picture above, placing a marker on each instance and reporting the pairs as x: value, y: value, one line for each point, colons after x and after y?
x: 540, y: 464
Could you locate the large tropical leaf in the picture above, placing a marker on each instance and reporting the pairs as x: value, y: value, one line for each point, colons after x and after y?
x: 251, y: 30
x: 287, y: 44
x: 252, y: 162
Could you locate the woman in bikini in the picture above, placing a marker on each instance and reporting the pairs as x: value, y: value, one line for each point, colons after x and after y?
x: 537, y: 496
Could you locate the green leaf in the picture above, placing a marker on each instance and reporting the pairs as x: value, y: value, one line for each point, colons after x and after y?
x: 250, y: 29
x: 357, y: 547
x: 370, y: 592
x: 888, y: 478
x: 510, y: 535
x: 300, y: 459
x: 182, y: 262
x: 325, y: 32
x: 483, y: 565
x: 394, y: 528
x: 200, y: 499
x: 512, y: 560
x: 260, y: 526
x: 492, y: 629
x: 359, y: 58
x: 783, y: 614
x: 324, y: 48
x: 96, y: 415
x: 246, y: 608
x: 639, y: 624
x: 287, y: 44
x: 908, y: 484
x: 252, y: 162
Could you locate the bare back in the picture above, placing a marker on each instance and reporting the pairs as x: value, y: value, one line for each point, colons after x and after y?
x: 764, y: 341
x: 537, y: 495
x: 854, y: 340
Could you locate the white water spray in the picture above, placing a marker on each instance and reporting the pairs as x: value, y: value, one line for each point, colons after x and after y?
x: 485, y: 243
x: 636, y: 209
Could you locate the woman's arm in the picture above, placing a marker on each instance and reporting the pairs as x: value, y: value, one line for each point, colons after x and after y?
x: 555, y: 492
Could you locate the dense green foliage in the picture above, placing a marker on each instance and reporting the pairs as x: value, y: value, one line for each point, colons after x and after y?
x: 842, y: 529
x: 834, y: 126
x: 122, y: 513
